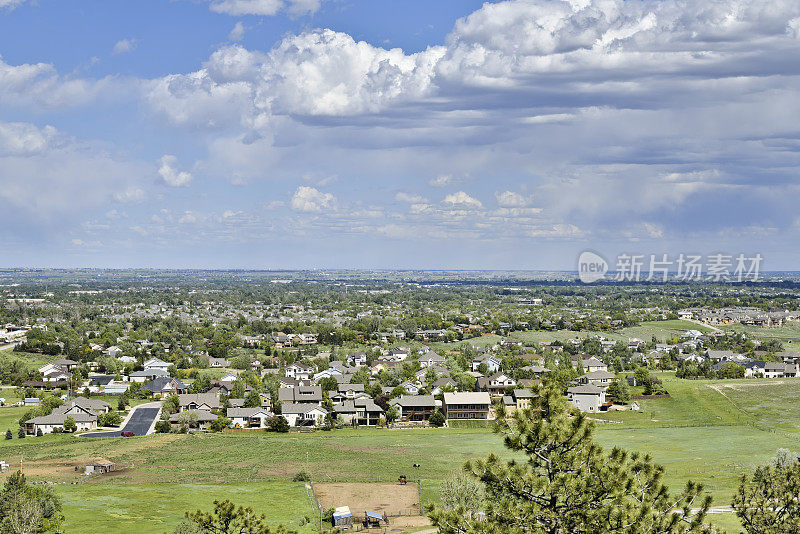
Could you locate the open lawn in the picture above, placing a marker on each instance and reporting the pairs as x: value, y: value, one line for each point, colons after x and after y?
x: 541, y: 336
x: 789, y: 333
x: 104, y: 506
x: 662, y: 330
x: 708, y: 431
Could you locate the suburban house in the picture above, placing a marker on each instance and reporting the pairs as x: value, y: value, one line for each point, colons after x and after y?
x: 780, y: 370
x: 587, y: 397
x: 331, y: 372
x: 198, y: 401
x: 299, y: 371
x: 303, y: 414
x: 62, y: 365
x: 498, y: 382
x: 414, y: 407
x: 193, y: 418
x: 410, y: 387
x: 248, y: 417
x: 155, y: 363
x: 519, y: 399
x: 360, y: 412
x: 218, y: 363
x: 84, y: 420
x: 146, y: 376
x: 113, y: 351
x: 165, y: 386
x: 492, y: 363
x: 442, y: 384
x: 430, y: 359
x: 593, y: 364
x: 301, y: 395
x: 471, y: 405
x: 357, y: 359
x: 84, y: 405
x: 601, y: 379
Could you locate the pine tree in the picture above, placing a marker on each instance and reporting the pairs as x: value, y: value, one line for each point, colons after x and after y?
x: 569, y: 484
x: 766, y: 503
x: 9, y: 435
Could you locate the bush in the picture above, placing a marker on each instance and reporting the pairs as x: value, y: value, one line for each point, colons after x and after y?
x: 437, y: 418
x: 21, y: 433
x: 301, y: 476
x: 278, y: 423
x: 163, y: 427
x: 39, y: 432
x: 9, y: 435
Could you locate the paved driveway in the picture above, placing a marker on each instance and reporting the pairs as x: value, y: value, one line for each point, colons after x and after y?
x: 139, y: 423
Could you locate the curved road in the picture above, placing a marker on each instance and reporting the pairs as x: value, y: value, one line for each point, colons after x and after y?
x: 139, y: 422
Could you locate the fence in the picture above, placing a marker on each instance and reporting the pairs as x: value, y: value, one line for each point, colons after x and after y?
x: 316, y: 508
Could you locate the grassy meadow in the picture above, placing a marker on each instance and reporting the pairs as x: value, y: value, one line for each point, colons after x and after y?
x: 707, y: 431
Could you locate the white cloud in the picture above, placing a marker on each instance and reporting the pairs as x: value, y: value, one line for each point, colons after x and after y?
x: 24, y: 139
x: 130, y: 195
x: 410, y: 198
x: 10, y: 4
x: 510, y: 199
x: 237, y: 33
x: 265, y: 7
x: 124, y: 46
x: 461, y: 199
x: 442, y: 180
x: 310, y: 199
x: 170, y: 175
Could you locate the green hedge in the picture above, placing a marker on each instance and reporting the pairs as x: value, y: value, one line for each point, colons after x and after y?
x: 466, y: 423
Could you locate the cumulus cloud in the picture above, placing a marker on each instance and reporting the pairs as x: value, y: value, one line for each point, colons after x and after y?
x: 443, y: 180
x: 265, y: 7
x: 169, y: 173
x: 510, y: 199
x: 124, y: 46
x: 310, y: 199
x: 24, y: 139
x: 39, y: 85
x: 461, y: 199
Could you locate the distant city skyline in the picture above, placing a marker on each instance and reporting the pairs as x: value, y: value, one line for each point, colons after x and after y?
x: 456, y: 134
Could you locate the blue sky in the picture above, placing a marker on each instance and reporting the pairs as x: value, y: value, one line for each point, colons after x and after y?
x: 416, y: 134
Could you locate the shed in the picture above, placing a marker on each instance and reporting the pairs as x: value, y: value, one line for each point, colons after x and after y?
x: 97, y: 468
x: 342, y: 517
x: 372, y: 519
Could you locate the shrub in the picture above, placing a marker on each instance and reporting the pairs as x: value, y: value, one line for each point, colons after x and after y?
x: 278, y: 423
x: 163, y: 427
x: 301, y: 476
x: 21, y: 433
x: 9, y: 435
x: 39, y: 432
x: 437, y: 418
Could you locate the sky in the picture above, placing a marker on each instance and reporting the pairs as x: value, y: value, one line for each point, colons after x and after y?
x: 454, y: 134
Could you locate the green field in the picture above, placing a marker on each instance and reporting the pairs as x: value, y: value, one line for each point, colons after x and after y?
x: 789, y: 334
x: 708, y: 431
x: 540, y: 336
x: 662, y: 330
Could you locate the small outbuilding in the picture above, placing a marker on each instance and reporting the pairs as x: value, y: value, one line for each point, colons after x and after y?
x: 342, y: 517
x: 98, y: 468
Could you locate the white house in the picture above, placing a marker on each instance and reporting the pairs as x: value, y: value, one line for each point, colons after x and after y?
x: 492, y: 364
x: 156, y: 363
x: 303, y: 414
x: 299, y: 371
x: 587, y: 397
x: 248, y: 417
